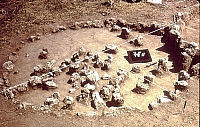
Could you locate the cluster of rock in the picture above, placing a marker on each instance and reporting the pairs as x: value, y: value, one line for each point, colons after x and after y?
x: 143, y: 87
x: 34, y: 38
x: 58, y: 29
x: 87, y: 24
x: 187, y: 53
x: 55, y: 100
x: 167, y: 96
x: 180, y: 85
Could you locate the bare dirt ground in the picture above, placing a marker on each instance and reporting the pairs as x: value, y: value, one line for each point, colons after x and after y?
x: 61, y: 45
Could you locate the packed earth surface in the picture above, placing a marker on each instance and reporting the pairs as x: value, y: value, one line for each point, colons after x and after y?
x: 57, y: 35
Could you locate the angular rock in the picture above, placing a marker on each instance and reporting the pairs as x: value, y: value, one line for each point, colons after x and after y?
x: 34, y: 38
x: 43, y: 53
x: 50, y: 84
x: 183, y: 75
x: 35, y: 81
x: 123, y: 72
x: 138, y: 41
x: 115, y: 28
x: 97, y: 101
x: 125, y: 34
x: 148, y: 79
x: 153, y: 105
x: 142, y: 88
x: 50, y: 101
x: 106, y: 92
x: 106, y: 77
x: 23, y: 87
x: 68, y: 101
x: 117, y: 99
x: 9, y: 66
x: 195, y: 69
x: 181, y: 85
x: 136, y: 69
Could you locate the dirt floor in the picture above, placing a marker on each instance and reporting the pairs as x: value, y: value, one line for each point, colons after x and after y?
x: 61, y: 45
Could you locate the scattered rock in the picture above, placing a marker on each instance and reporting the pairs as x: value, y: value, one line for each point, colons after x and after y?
x: 35, y: 81
x: 13, y: 58
x: 50, y: 101
x: 148, y: 79
x: 22, y: 87
x: 112, y: 49
x: 106, y: 92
